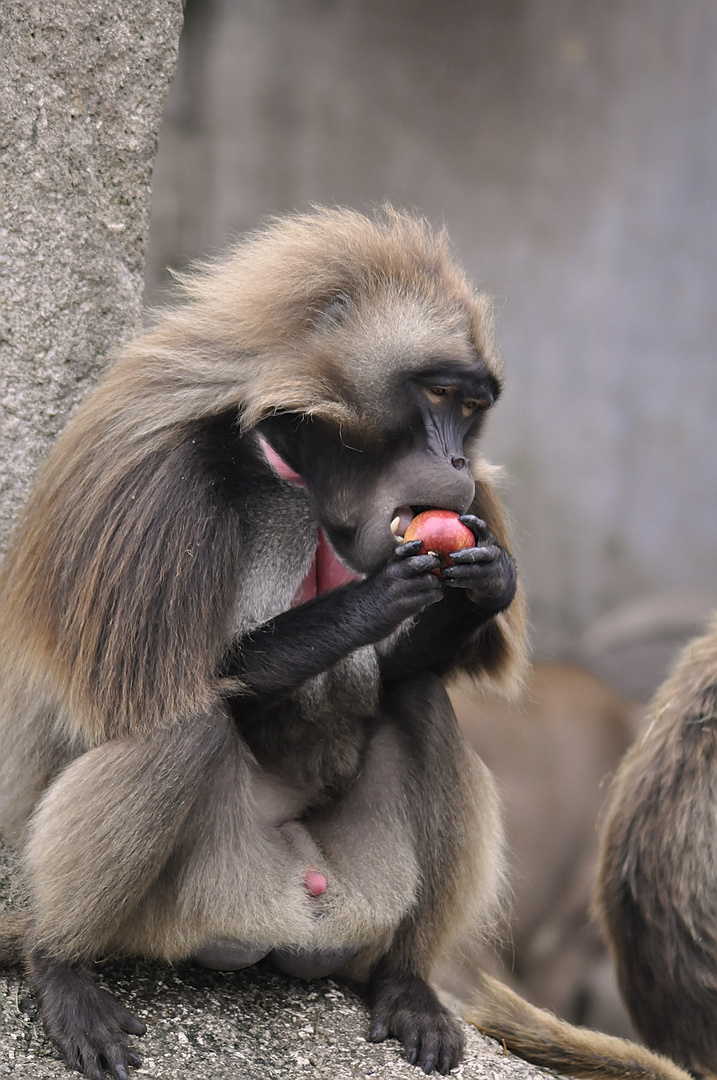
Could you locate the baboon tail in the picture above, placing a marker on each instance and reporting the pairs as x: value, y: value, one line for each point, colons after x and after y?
x: 12, y: 932
x: 541, y: 1038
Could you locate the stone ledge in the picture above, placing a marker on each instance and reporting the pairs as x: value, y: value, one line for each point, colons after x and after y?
x: 252, y: 1025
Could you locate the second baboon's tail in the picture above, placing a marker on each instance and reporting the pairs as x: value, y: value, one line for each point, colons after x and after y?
x: 541, y: 1038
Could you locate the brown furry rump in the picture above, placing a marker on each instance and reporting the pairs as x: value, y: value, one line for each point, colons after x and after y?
x: 656, y: 895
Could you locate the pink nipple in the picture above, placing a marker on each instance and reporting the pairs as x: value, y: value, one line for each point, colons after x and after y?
x: 315, y: 883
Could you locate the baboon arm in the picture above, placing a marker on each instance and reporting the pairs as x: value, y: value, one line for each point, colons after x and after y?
x: 306, y: 640
x: 297, y: 645
x: 437, y: 640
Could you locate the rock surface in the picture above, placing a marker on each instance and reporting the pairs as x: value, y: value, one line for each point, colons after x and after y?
x: 82, y: 90
x: 255, y: 1025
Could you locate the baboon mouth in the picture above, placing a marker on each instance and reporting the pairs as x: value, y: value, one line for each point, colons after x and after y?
x: 400, y: 520
x: 402, y: 517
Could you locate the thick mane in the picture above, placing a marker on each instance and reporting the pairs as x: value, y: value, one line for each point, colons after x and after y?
x: 120, y: 537
x: 265, y: 300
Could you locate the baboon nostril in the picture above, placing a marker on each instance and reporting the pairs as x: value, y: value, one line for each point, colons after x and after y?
x: 458, y: 462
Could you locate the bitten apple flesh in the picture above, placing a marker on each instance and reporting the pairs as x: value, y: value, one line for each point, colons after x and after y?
x: 442, y: 533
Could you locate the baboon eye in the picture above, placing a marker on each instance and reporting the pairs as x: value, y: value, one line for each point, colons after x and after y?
x: 471, y: 405
x: 433, y: 393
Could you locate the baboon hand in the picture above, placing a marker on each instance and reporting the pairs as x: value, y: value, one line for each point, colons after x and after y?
x: 403, y: 587
x: 487, y: 570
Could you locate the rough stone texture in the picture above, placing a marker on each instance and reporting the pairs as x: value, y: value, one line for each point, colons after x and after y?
x: 82, y: 88
x: 253, y: 1025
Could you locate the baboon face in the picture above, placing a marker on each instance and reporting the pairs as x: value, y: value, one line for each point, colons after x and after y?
x: 366, y: 485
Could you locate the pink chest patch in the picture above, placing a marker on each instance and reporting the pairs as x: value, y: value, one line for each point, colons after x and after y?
x: 326, y: 570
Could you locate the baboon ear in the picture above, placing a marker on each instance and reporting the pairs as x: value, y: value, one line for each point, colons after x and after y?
x: 337, y: 307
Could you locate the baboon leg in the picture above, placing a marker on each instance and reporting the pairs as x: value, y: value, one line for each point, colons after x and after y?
x: 98, y: 840
x: 420, y: 779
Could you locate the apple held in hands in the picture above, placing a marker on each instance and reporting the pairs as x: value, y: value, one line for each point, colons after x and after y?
x: 442, y: 532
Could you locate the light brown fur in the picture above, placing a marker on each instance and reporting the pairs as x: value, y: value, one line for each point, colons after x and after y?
x: 539, y: 1036
x: 13, y: 925
x: 244, y: 340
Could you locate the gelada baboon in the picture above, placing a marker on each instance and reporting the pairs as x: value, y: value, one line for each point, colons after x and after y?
x: 657, y: 890
x: 224, y: 728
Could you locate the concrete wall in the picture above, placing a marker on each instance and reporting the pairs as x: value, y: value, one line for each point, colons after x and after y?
x: 571, y: 148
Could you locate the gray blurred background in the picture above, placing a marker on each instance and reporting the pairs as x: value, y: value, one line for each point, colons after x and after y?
x: 571, y: 149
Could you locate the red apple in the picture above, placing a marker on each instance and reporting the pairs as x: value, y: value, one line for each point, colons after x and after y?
x: 441, y: 532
